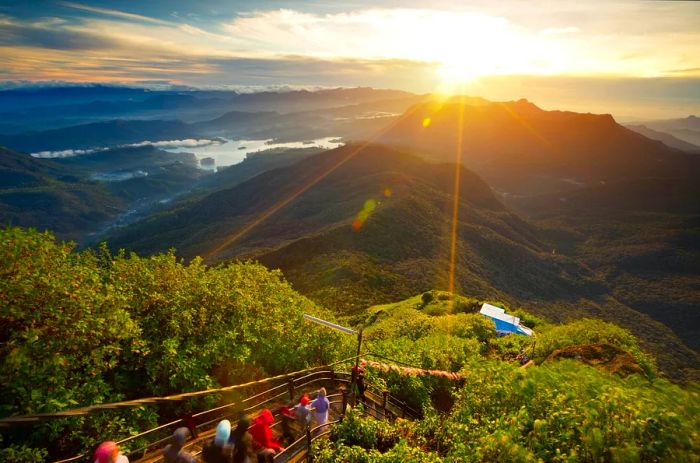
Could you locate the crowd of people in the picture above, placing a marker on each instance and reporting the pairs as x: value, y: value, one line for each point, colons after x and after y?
x: 251, y: 441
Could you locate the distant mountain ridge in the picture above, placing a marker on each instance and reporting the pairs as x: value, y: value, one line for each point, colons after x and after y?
x: 666, y: 138
x: 292, y: 116
x: 521, y: 149
x: 686, y: 128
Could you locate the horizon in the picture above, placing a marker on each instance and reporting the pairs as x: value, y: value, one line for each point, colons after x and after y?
x: 634, y: 60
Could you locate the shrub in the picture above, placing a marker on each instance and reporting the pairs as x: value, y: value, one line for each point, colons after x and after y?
x: 590, y: 331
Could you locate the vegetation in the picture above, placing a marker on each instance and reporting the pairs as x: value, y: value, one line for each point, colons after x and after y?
x: 80, y: 328
x: 560, y: 411
x: 120, y: 327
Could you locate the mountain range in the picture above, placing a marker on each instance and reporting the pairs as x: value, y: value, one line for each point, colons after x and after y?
x: 567, y: 214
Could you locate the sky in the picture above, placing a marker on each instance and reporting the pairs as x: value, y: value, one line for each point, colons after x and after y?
x: 633, y: 58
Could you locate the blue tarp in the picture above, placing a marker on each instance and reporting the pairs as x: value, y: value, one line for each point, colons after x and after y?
x: 505, y: 323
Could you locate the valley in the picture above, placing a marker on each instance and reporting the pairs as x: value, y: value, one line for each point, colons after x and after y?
x: 369, y: 223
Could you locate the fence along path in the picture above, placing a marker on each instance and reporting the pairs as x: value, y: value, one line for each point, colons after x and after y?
x: 286, y: 390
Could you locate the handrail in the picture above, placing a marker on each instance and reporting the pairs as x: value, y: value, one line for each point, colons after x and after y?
x: 81, y: 411
x: 318, y: 373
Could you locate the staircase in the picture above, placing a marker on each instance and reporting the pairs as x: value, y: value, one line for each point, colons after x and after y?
x: 378, y: 404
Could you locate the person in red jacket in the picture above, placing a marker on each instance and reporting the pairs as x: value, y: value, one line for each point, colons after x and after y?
x: 264, y: 444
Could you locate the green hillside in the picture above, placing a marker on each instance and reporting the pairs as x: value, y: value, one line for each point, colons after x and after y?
x: 47, y: 195
x: 123, y: 327
x: 77, y: 196
x: 558, y: 410
x: 401, y: 208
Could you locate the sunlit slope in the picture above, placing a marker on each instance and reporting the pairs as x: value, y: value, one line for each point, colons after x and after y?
x: 324, y: 190
x: 521, y: 149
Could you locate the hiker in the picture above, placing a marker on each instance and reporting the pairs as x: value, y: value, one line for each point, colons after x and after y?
x: 108, y: 452
x: 321, y: 406
x: 173, y: 452
x: 303, y: 412
x: 217, y: 450
x: 242, y: 442
x: 264, y: 444
x: 360, y: 382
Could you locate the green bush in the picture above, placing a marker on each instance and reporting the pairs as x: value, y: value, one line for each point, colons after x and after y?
x: 80, y: 328
x: 568, y: 412
x: 590, y: 331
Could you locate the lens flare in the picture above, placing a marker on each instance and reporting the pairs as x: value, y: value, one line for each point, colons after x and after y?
x: 362, y: 216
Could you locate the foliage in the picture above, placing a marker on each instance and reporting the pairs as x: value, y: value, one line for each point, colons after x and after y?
x: 568, y: 412
x: 362, y: 439
x: 558, y: 411
x: 590, y: 331
x: 80, y: 328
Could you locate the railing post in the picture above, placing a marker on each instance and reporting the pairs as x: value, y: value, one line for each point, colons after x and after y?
x: 385, y: 395
x: 290, y: 386
x: 308, y: 444
x: 345, y: 403
x: 403, y: 410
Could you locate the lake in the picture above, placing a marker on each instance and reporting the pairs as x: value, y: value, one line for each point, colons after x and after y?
x: 234, y: 151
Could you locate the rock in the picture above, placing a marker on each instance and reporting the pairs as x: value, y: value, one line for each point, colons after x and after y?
x: 605, y: 356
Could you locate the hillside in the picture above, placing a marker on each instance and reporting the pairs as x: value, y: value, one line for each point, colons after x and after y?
x: 167, y: 327
x: 666, y: 138
x: 46, y: 195
x: 122, y: 327
x: 521, y: 149
x: 400, y: 244
x: 686, y: 129
x: 555, y: 410
x: 640, y: 236
x: 79, y: 195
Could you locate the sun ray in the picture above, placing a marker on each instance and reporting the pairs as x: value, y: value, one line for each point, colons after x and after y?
x: 233, y: 237
x: 527, y: 126
x: 455, y: 200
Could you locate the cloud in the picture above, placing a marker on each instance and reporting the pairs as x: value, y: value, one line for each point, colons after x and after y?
x: 115, y: 13
x: 411, y: 48
x: 560, y: 30
x: 186, y: 143
x: 64, y: 153
x: 49, y: 35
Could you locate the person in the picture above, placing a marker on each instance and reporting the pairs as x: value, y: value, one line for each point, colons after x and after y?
x: 522, y: 357
x: 321, y: 406
x: 303, y: 413
x: 108, y: 452
x: 217, y: 450
x: 173, y: 452
x: 242, y: 442
x: 360, y: 382
x: 264, y: 444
